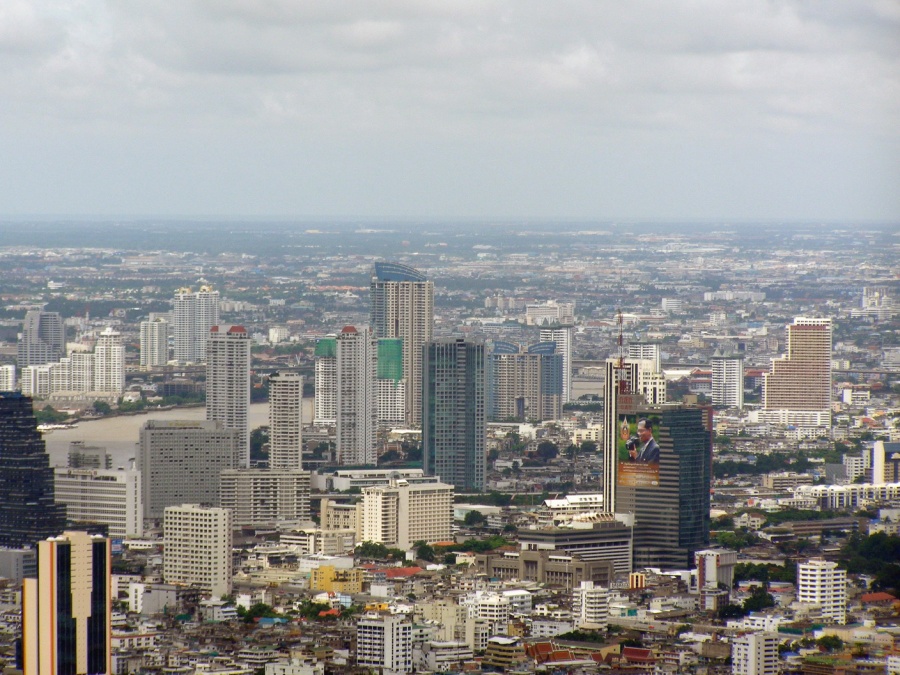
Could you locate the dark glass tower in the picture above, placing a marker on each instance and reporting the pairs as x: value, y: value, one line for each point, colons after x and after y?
x: 671, y: 518
x: 453, y: 412
x: 28, y: 512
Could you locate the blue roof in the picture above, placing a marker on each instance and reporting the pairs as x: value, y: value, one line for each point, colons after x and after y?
x: 542, y: 348
x: 387, y: 271
x: 501, y: 347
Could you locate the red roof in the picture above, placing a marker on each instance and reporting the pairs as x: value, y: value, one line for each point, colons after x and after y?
x: 330, y: 612
x: 637, y: 655
x: 348, y: 329
x: 880, y: 596
x: 399, y: 572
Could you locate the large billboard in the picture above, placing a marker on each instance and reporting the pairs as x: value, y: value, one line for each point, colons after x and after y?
x: 638, y: 451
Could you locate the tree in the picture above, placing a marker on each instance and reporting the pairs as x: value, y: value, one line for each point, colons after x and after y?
x: 474, y: 519
x: 102, y: 408
x: 831, y: 643
x: 424, y: 551
x: 588, y: 448
x: 547, y: 450
x: 259, y: 437
x: 759, y: 599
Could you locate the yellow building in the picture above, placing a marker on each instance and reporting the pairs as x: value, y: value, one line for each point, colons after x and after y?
x: 331, y: 580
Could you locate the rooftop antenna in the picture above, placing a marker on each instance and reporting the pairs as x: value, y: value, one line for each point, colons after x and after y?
x: 620, y: 361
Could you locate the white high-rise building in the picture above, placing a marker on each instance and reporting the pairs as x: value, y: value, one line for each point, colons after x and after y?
x: 715, y: 568
x: 109, y: 362
x: 82, y: 371
x: 384, y: 643
x: 636, y: 376
x: 197, y: 547
x: 36, y: 380
x: 562, y: 337
x: 357, y: 409
x: 646, y: 351
x: 154, y: 343
x: 194, y: 314
x: 404, y: 512
x: 755, y: 654
x: 285, y: 421
x: 265, y: 497
x: 821, y: 582
x: 7, y: 378
x: 590, y: 606
x: 402, y: 306
x: 550, y: 313
x: 228, y: 382
x: 326, y: 382
x: 105, y: 496
x: 728, y: 381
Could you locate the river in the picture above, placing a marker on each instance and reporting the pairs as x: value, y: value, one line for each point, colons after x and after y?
x: 119, y: 435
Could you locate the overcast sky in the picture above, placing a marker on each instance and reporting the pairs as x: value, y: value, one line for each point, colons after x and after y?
x: 673, y: 109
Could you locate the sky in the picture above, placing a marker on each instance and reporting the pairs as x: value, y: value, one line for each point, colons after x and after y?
x: 733, y: 110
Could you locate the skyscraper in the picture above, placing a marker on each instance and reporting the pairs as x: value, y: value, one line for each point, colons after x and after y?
x: 326, y: 381
x: 197, y: 548
x: 357, y: 409
x: 402, y: 306
x: 66, y: 610
x: 43, y: 339
x: 109, y: 362
x: 28, y: 511
x: 154, y: 343
x: 524, y: 384
x: 193, y: 315
x: 728, y: 381
x: 285, y: 421
x: 800, y: 380
x: 636, y: 381
x: 562, y: 337
x: 389, y: 383
x: 669, y: 497
x: 453, y: 416
x: 228, y: 383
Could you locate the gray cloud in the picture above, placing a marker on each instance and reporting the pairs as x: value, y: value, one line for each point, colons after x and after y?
x: 374, y: 106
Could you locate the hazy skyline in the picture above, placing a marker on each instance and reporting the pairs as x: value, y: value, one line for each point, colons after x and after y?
x: 420, y: 108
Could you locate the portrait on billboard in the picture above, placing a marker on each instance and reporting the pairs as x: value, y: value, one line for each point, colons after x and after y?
x: 638, y: 451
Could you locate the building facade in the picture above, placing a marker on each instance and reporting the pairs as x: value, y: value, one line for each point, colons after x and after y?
x: 228, y: 383
x: 28, y: 511
x: 755, y: 654
x: 390, y: 383
x: 728, y: 382
x: 402, y: 306
x: 109, y: 362
x: 325, y: 356
x: 590, y: 606
x: 265, y: 497
x: 154, y: 343
x: 102, y: 496
x: 197, y: 548
x: 404, y: 512
x: 194, y: 313
x: 800, y: 380
x: 43, y: 339
x: 524, y: 384
x: 286, y: 421
x: 66, y: 610
x: 562, y: 336
x: 180, y: 462
x: 384, y: 643
x: 454, y: 418
x: 357, y: 409
x: 823, y: 583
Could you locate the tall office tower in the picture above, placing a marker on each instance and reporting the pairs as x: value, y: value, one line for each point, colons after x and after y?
x: 66, y: 610
x: 109, y: 362
x: 453, y: 418
x: 406, y: 511
x: 265, y: 497
x: 669, y: 498
x: 193, y: 315
x: 636, y: 381
x: 646, y: 351
x: 154, y: 343
x: 197, y: 548
x: 326, y: 382
x: 357, y: 409
x: 755, y: 654
x: 7, y: 378
x: 524, y: 384
x: 228, y: 383
x: 402, y: 306
x: 28, y: 512
x: 285, y: 421
x: 728, y: 381
x: 384, y: 643
x: 102, y: 496
x: 590, y: 606
x: 389, y: 383
x: 562, y: 337
x: 800, y: 380
x: 43, y: 339
x: 180, y: 462
x: 820, y: 582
